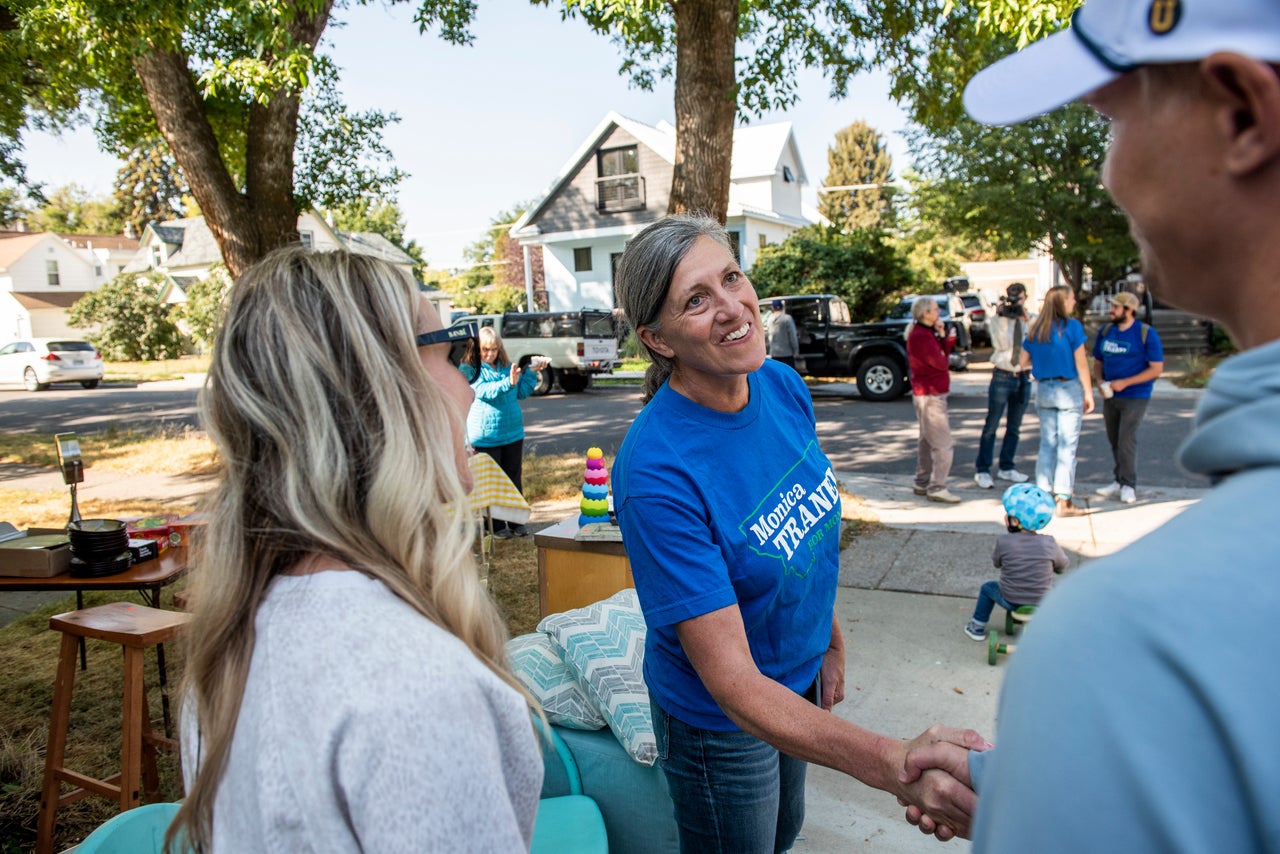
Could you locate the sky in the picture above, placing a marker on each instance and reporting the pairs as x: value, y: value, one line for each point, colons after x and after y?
x: 486, y: 127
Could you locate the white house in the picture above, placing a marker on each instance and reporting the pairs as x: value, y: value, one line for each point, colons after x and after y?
x: 185, y: 249
x: 108, y: 253
x: 40, y: 278
x: 619, y: 180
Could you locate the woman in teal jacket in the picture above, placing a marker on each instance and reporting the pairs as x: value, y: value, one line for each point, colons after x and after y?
x: 495, y: 425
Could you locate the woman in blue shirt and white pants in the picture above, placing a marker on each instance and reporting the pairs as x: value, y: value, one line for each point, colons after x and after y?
x: 1054, y: 350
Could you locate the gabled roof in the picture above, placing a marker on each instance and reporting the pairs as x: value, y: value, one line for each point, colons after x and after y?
x: 100, y: 241
x: 47, y: 299
x: 196, y: 246
x: 374, y: 245
x: 757, y: 151
x: 193, y: 245
x: 13, y: 248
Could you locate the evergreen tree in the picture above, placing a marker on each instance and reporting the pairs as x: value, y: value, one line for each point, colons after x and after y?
x: 149, y: 187
x: 859, y: 157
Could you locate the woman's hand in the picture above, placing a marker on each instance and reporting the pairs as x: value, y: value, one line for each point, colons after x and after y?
x: 515, y: 374
x: 935, y: 780
x: 1088, y: 401
x: 831, y: 673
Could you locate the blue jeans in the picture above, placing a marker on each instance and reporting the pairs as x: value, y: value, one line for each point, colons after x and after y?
x: 1006, y: 392
x: 989, y: 597
x: 1060, y: 405
x: 732, y: 793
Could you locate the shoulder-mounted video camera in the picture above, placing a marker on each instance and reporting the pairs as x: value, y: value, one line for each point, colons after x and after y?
x: 1011, y: 307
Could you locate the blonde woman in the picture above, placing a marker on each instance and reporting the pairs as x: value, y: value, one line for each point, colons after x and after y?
x: 1054, y: 350
x: 346, y: 687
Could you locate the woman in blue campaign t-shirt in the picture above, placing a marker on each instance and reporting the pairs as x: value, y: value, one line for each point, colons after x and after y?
x: 1054, y: 350
x: 730, y: 514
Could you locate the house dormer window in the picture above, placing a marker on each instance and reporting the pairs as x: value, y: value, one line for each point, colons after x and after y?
x: 156, y: 257
x: 787, y: 175
x: 306, y: 238
x: 619, y: 186
x: 51, y: 273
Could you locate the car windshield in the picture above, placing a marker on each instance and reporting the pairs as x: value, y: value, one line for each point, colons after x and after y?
x: 70, y: 347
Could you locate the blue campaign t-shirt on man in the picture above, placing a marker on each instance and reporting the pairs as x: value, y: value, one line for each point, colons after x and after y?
x: 720, y: 509
x: 1125, y: 354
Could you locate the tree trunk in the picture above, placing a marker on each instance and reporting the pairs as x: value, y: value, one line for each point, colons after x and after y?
x: 246, y: 225
x: 171, y: 91
x: 706, y: 104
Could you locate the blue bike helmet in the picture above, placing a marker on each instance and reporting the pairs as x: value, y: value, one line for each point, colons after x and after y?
x: 1029, y: 504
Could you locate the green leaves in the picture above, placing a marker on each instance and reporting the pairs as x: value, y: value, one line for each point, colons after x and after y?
x: 862, y: 267
x: 133, y: 324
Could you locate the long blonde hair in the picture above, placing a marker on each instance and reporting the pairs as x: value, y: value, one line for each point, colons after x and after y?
x: 1053, y: 314
x: 334, y: 441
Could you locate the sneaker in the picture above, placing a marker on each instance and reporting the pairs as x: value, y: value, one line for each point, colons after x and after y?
x: 919, y: 490
x: 942, y: 496
x: 983, y: 480
x: 1110, y: 491
x: 1012, y: 475
x: 976, y: 631
x: 1127, y: 495
x: 1066, y: 509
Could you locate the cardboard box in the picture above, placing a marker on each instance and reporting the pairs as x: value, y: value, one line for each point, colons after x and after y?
x: 20, y: 562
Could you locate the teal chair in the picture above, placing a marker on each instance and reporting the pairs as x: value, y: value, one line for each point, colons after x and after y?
x: 136, y: 831
x: 571, y: 824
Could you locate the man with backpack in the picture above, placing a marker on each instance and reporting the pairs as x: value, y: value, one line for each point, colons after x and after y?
x: 1128, y: 356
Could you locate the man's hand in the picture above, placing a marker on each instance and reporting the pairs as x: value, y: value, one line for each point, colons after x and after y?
x: 934, y: 782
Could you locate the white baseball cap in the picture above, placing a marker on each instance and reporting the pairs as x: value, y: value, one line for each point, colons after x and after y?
x: 1110, y: 37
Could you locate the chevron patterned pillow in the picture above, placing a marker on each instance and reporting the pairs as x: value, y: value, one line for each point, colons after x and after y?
x: 603, y: 645
x: 539, y: 666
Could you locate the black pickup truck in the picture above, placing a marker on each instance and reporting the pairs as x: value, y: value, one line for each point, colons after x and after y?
x: 831, y: 344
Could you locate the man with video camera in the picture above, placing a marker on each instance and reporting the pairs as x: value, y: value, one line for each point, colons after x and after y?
x: 1010, y: 389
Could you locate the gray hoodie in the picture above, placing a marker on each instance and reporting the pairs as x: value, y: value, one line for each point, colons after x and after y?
x: 1142, y: 711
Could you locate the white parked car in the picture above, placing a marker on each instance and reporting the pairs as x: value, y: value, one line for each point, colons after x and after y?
x: 37, y: 362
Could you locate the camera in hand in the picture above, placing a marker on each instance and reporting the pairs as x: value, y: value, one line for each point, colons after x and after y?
x: 1008, y: 307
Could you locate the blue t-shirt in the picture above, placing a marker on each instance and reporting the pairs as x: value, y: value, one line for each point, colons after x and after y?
x: 718, y: 509
x: 1124, y: 355
x: 1056, y: 357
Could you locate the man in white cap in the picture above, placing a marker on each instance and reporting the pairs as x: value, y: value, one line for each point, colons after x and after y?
x: 1128, y: 357
x: 1142, y: 711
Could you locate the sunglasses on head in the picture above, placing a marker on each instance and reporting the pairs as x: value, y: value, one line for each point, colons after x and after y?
x: 464, y: 346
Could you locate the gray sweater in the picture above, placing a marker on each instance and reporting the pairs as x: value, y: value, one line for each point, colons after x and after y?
x: 366, y: 727
x: 1026, y: 562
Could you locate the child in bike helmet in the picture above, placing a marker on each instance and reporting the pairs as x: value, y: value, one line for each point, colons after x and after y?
x: 1026, y: 559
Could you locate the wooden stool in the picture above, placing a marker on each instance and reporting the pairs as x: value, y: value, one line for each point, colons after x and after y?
x: 135, y: 628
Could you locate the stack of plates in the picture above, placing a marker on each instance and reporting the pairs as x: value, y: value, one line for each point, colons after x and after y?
x: 98, y: 547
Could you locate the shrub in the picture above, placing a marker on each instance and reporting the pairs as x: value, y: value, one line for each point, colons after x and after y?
x: 132, y: 323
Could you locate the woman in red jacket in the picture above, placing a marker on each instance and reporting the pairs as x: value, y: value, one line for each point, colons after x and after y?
x: 928, y: 345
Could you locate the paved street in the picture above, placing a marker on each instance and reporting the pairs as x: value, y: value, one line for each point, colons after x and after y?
x: 858, y: 436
